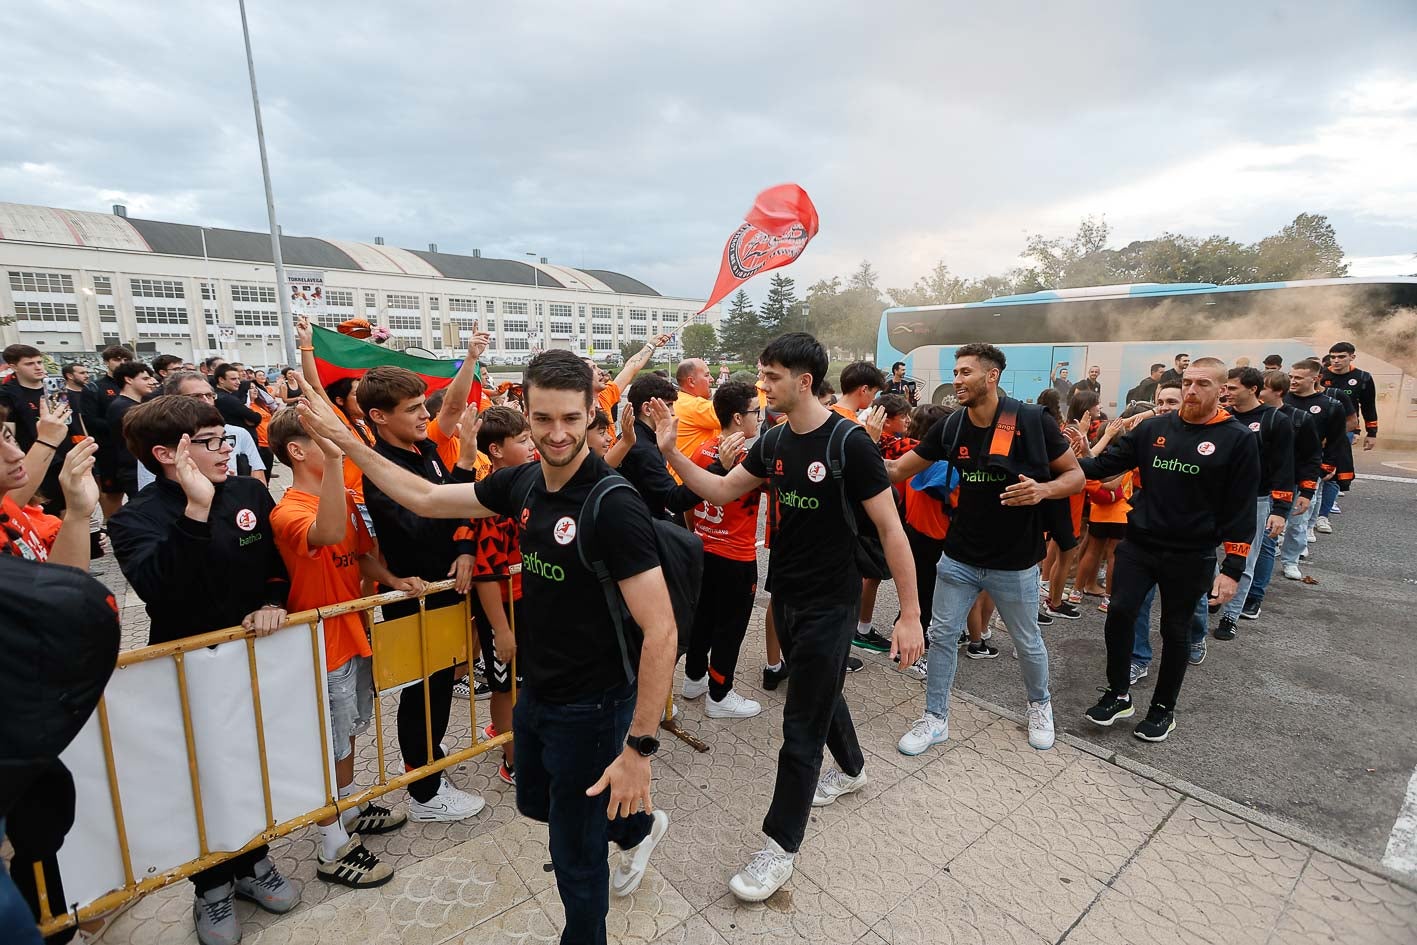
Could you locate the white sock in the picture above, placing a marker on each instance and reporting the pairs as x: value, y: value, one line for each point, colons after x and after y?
x: 863, y: 626
x: 351, y: 815
x: 775, y: 667
x: 331, y: 839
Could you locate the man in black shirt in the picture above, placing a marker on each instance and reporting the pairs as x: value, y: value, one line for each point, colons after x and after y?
x: 1146, y: 390
x: 1330, y: 418
x: 198, y: 548
x: 1183, y: 361
x: 1200, y: 472
x: 644, y: 464
x: 138, y: 384
x: 576, y: 767
x: 1090, y: 382
x: 898, y: 383
x: 22, y: 395
x: 1010, y: 459
x: 96, y: 419
x: 815, y: 584
x: 230, y: 402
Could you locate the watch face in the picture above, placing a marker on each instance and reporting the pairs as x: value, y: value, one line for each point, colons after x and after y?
x: 647, y: 745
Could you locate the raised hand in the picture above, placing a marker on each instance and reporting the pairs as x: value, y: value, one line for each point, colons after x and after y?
x: 665, y: 424
x: 730, y: 450
x: 318, y: 418
x: 53, y: 423
x: 876, y: 423
x: 468, y: 425
x: 627, y: 423
x: 195, y: 485
x: 477, y: 343
x: 304, y: 334
x: 76, y: 477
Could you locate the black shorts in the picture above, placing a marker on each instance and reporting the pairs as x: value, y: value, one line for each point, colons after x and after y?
x: 499, y: 674
x: 1112, y: 530
x: 1058, y: 523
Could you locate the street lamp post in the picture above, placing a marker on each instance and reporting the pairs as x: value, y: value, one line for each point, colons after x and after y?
x: 806, y: 308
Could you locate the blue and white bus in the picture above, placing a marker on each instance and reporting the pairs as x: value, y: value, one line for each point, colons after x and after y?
x: 1124, y: 329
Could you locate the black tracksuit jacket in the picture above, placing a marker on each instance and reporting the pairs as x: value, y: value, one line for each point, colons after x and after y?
x: 1276, y: 441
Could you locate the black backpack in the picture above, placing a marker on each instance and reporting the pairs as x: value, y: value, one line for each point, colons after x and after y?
x: 681, y: 558
x: 870, y: 555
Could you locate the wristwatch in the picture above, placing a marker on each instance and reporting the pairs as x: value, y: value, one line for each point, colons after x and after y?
x: 646, y: 745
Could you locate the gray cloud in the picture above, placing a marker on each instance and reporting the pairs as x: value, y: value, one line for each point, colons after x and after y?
x: 632, y: 136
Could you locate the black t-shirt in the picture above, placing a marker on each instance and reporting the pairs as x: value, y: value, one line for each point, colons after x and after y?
x: 983, y: 533
x: 125, y: 464
x: 565, y: 637
x: 23, y: 404
x: 813, y: 560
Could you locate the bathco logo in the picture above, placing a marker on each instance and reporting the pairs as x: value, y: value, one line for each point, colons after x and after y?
x: 794, y: 500
x: 978, y: 476
x: 532, y: 564
x: 1175, y: 465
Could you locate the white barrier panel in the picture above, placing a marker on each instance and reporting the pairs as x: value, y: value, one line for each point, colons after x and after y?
x: 150, y: 756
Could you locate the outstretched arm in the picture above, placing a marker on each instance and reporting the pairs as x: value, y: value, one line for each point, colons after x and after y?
x: 455, y: 399
x: 638, y: 361
x: 720, y: 490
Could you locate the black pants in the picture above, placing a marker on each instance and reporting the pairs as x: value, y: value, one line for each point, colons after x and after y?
x: 926, y: 551
x: 721, y: 621
x: 1181, y: 577
x: 413, y: 743
x: 561, y: 751
x: 38, y: 821
x: 816, y: 639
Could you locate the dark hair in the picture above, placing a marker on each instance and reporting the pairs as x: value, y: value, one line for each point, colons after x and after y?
x: 827, y: 390
x: 1308, y: 364
x: 896, y: 365
x: 1052, y: 402
x: 174, y: 381
x: 1277, y: 381
x: 221, y: 370
x: 435, y: 400
x: 161, y: 422
x: 599, y: 421
x: 117, y: 351
x: 893, y: 404
x: 14, y: 354
x: 1273, y: 359
x: 801, y: 354
x: 557, y: 370
x: 385, y: 387
x: 339, y: 388
x: 284, y: 429
x: 164, y: 362
x: 1342, y: 347
x: 1158, y: 366
x: 1174, y: 382
x: 859, y: 374
x: 498, y: 424
x: 285, y: 371
x: 1136, y: 407
x: 925, y: 417
x: 987, y: 353
x: 648, y: 387
x: 1080, y: 403
x: 129, y: 370
x: 210, y: 362
x: 68, y: 369
x: 1181, y: 355
x: 732, y: 398
x: 1249, y: 377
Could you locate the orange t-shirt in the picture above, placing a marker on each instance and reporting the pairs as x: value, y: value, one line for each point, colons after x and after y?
x: 27, y: 532
x: 353, y: 475
x: 263, y: 428
x: 729, y: 531
x: 320, y: 577
x: 607, y: 400
x: 1115, y: 512
x: 846, y: 412
x: 450, y: 450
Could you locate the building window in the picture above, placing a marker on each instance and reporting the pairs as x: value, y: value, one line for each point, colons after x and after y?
x: 103, y: 285
x: 600, y: 311
x: 561, y: 310
x: 369, y: 300
x: 47, y: 311
x: 638, y: 315
x: 561, y: 329
x: 106, y: 313
x: 42, y: 282
x: 513, y: 308
x: 208, y: 293
x: 159, y: 315
x: 456, y: 304
x: 492, y: 307
x: 405, y: 302
x: 514, y: 324
x: 404, y: 323
x: 436, y: 324
x: 540, y: 311
x: 432, y: 303
x: 339, y: 298
x: 159, y: 289
x: 254, y: 318
x: 516, y: 344
x: 254, y: 293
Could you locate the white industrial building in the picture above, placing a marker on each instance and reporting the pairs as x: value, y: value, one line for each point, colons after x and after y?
x: 77, y: 281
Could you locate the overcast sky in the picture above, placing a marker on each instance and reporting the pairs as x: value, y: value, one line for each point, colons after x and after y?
x: 633, y: 136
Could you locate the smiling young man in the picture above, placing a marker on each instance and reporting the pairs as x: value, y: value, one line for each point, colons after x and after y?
x: 1200, y: 472
x: 584, y: 733
x: 815, y: 584
x: 1011, y: 458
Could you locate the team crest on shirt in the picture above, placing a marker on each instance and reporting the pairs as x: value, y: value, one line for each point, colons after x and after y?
x: 1255, y: 426
x: 565, y: 530
x: 246, y: 520
x: 963, y: 453
x: 1205, y: 448
x: 1160, y: 441
x: 1353, y: 382
x: 1316, y: 409
x: 816, y: 472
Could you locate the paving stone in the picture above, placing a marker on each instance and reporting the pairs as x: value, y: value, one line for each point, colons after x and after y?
x: 943, y: 912
x: 654, y: 910
x: 1338, y: 904
x: 451, y: 892
x: 798, y: 912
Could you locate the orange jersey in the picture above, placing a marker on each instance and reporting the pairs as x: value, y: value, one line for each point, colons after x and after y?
x: 729, y: 531
x: 607, y: 400
x: 450, y: 450
x: 1114, y: 512
x: 323, y: 576
x: 263, y: 429
x: 353, y: 475
x: 26, y: 532
x: 496, y: 550
x: 846, y: 412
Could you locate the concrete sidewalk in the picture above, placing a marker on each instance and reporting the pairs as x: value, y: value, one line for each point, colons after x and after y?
x: 979, y: 840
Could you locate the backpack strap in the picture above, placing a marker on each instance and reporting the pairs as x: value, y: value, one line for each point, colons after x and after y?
x: 1001, y: 445
x: 587, y: 550
x: 836, y: 465
x: 776, y: 435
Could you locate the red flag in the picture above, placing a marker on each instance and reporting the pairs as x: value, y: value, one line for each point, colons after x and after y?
x: 779, y: 225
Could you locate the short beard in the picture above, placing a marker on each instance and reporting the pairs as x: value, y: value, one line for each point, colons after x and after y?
x: 570, y: 458
x: 1194, y: 414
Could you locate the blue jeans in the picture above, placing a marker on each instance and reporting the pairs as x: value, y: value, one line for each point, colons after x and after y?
x: 561, y: 751
x: 1330, y: 497
x: 1264, y: 570
x: 1233, y: 605
x: 1296, y: 533
x: 1141, y: 630
x: 14, y: 911
x: 1015, y: 595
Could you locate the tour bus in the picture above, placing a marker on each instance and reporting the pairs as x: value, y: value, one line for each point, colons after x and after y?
x: 1124, y: 329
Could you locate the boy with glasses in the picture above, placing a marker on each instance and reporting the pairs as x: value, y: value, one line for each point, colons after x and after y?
x: 245, y: 459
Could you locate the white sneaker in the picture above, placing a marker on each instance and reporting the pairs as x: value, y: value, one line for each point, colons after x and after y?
x: 631, y: 869
x: 1322, y: 526
x: 693, y: 688
x: 1040, y: 725
x: 448, y: 804
x: 928, y: 730
x: 1304, y: 555
x: 834, y: 784
x: 1291, y: 573
x: 733, y: 706
x: 920, y: 669
x: 1312, y: 537
x: 764, y: 875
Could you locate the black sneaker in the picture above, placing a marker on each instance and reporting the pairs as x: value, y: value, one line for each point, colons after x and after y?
x: 1044, y: 618
x: 1225, y: 630
x: 981, y: 651
x: 871, y: 640
x: 1065, y: 610
x: 1110, y: 708
x: 772, y: 678
x: 1159, y: 723
x: 964, y: 639
x: 854, y: 665
x: 1251, y: 610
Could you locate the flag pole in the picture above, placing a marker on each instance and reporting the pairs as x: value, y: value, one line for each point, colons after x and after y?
x: 287, y: 325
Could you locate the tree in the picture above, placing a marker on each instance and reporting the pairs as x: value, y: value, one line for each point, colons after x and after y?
x: 741, y: 333
x: 628, y: 349
x: 782, y: 298
x: 700, y: 342
x: 937, y: 287
x: 1305, y: 249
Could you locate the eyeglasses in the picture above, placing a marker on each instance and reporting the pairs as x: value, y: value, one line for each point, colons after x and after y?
x: 215, y: 443
x: 204, y: 395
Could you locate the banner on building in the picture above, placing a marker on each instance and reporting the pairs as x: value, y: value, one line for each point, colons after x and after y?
x: 307, y: 294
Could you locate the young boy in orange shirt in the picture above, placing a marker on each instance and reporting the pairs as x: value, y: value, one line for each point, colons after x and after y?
x: 327, y: 550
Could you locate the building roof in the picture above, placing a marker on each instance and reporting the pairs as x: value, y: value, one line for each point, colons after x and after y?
x: 31, y: 224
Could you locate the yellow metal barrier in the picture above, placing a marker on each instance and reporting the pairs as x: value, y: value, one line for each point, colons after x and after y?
x: 438, y: 639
